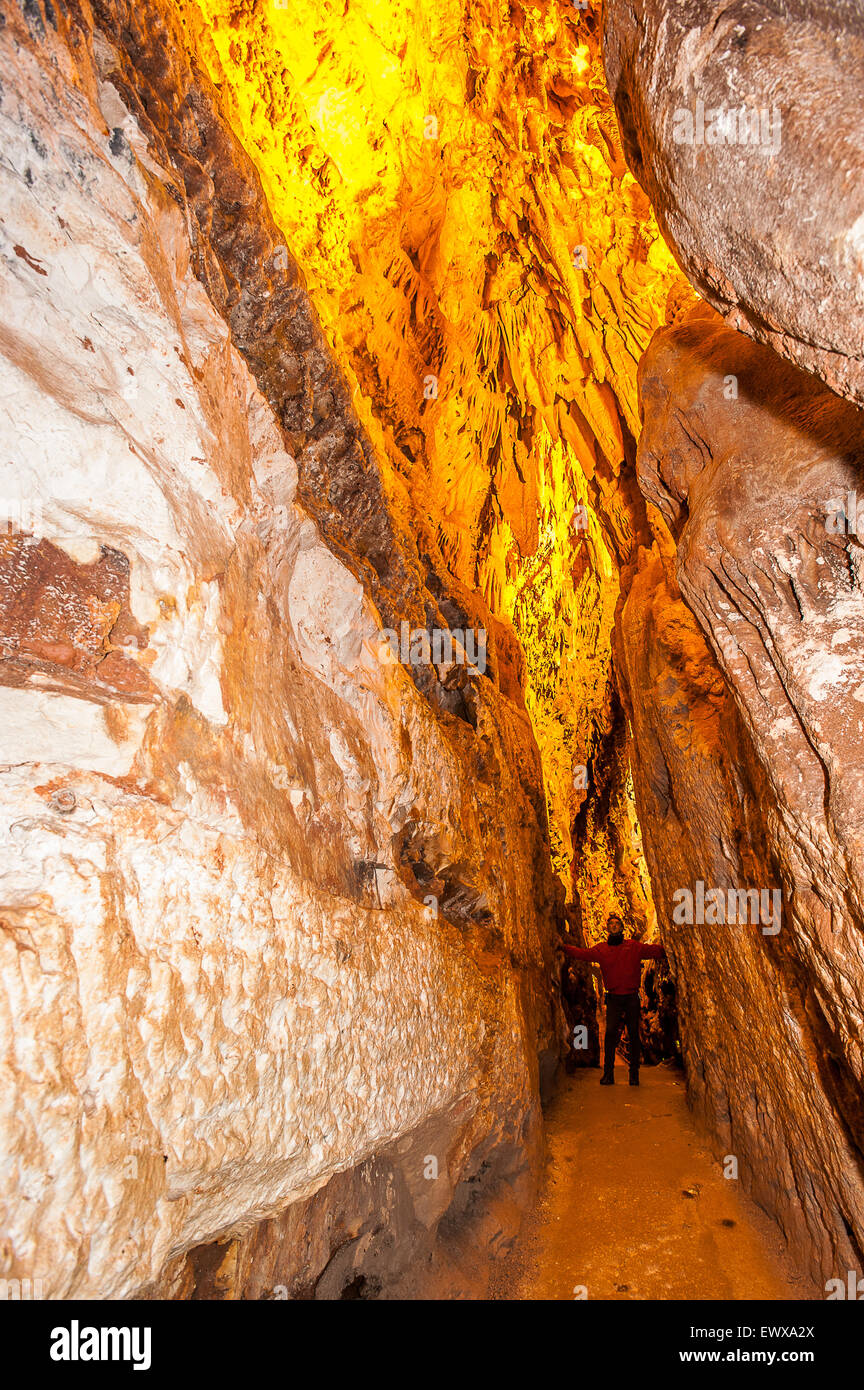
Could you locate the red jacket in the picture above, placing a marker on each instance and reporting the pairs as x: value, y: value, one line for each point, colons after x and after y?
x: 621, y: 966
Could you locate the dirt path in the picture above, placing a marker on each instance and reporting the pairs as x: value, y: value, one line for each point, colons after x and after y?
x: 634, y: 1206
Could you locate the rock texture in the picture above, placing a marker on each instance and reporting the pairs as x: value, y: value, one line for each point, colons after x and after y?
x: 270, y: 906
x: 383, y: 1230
x: 742, y: 648
x: 782, y: 256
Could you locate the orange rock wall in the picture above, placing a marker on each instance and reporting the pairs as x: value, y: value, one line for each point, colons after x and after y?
x: 741, y: 651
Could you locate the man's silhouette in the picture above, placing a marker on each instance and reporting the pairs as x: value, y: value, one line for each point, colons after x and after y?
x: 620, y: 963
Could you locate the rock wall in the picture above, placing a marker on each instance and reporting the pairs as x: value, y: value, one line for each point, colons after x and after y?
x: 742, y: 649
x: 760, y: 99
x: 273, y: 909
x: 740, y: 646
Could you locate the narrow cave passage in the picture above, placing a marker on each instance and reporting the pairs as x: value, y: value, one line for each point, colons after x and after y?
x: 432, y: 437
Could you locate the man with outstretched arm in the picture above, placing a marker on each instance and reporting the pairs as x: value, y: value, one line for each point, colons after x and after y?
x: 620, y: 963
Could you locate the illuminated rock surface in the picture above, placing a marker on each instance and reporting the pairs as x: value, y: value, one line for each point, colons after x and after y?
x: 440, y: 176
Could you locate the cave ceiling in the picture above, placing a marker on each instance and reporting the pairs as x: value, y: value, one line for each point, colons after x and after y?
x: 488, y: 274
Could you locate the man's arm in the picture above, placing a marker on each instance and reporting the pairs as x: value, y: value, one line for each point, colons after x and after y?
x: 652, y: 952
x: 578, y: 952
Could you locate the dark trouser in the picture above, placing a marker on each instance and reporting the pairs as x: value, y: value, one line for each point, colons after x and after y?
x: 621, y: 1009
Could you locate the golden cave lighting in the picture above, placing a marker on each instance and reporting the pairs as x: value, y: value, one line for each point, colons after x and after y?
x: 433, y: 169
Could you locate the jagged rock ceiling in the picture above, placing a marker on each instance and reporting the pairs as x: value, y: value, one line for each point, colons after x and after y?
x: 488, y: 273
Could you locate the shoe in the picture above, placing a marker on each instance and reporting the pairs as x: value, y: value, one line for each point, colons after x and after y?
x: 634, y: 1078
x: 607, y: 1080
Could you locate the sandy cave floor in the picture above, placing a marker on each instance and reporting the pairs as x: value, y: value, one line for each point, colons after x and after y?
x: 633, y: 1205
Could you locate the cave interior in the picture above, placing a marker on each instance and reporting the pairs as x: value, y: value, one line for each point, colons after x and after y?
x: 431, y: 445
